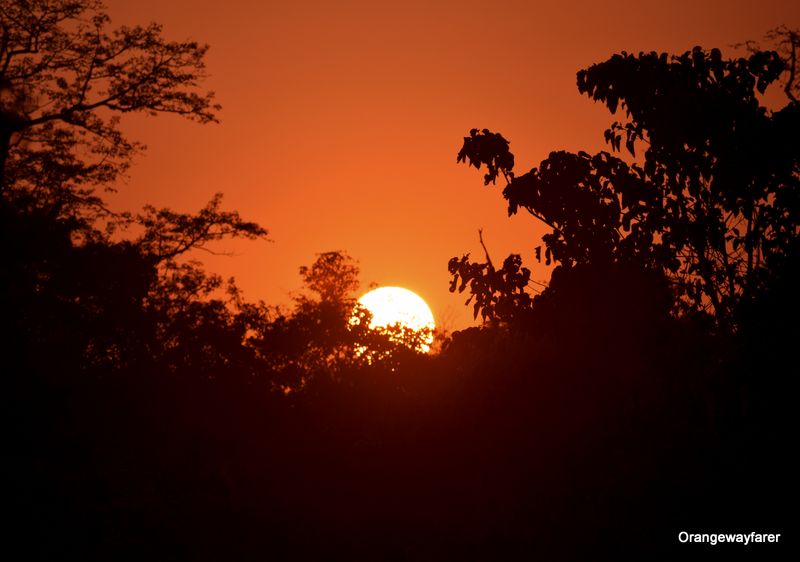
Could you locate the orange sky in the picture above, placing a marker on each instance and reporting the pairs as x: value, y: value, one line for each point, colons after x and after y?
x: 341, y: 122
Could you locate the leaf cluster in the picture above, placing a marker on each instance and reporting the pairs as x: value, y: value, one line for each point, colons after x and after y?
x: 498, y: 294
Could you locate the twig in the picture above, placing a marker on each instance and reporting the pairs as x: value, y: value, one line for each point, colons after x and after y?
x: 485, y: 251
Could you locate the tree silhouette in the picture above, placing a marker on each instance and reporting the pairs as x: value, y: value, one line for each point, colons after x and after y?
x: 673, y: 257
x: 709, y: 201
x: 65, y: 80
x: 316, y: 338
x: 333, y: 277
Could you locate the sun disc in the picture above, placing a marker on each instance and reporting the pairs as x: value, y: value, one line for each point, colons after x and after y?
x: 396, y: 305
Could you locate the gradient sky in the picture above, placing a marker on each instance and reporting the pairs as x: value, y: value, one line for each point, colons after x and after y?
x: 341, y: 122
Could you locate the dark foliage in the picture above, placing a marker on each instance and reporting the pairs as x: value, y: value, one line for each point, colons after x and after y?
x: 712, y: 199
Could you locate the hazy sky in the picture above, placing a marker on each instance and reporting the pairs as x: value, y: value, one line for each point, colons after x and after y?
x: 341, y: 122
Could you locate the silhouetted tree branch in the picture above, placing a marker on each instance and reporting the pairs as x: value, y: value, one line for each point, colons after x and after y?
x: 169, y: 234
x: 60, y: 65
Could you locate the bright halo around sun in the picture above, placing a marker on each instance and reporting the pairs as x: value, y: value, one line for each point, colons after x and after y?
x: 395, y: 305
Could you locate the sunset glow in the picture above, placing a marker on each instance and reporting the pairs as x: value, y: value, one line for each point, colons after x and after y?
x: 227, y: 225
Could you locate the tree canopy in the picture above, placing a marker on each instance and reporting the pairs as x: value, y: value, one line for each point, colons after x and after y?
x: 710, y: 199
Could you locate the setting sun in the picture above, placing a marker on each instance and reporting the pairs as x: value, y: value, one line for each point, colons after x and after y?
x: 398, y: 306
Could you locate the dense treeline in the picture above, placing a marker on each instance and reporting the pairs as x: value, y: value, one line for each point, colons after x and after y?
x: 154, y: 413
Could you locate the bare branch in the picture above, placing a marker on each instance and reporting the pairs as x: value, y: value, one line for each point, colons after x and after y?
x: 485, y: 251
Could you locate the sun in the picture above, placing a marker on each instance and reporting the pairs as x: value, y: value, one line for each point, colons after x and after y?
x: 395, y: 305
